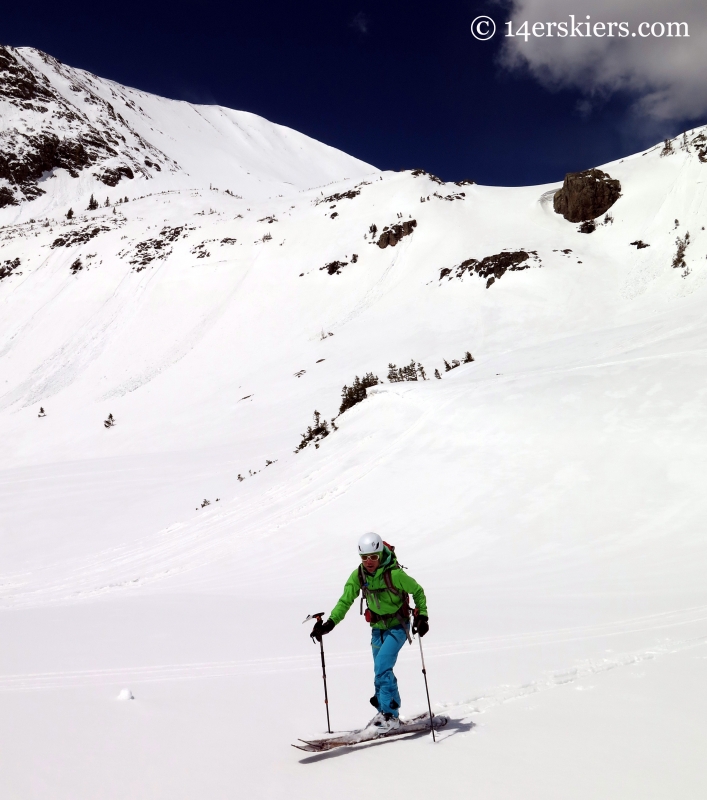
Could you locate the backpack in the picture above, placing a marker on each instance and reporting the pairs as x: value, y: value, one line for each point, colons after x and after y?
x: 403, y: 613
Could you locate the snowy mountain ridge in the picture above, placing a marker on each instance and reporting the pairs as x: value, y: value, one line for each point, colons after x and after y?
x: 60, y: 124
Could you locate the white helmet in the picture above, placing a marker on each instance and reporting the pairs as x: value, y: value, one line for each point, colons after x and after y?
x: 370, y: 543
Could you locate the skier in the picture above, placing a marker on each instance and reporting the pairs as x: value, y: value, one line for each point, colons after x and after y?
x: 385, y: 587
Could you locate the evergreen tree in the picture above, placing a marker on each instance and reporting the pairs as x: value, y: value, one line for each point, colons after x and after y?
x: 409, y: 373
x: 437, y: 375
x: 70, y: 213
x: 314, y: 433
x: 351, y: 395
x: 92, y: 204
x: 468, y: 358
x: 446, y: 365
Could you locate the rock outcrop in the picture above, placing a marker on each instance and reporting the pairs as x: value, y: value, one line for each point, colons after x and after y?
x: 42, y: 131
x: 493, y: 267
x: 392, y: 234
x: 586, y: 195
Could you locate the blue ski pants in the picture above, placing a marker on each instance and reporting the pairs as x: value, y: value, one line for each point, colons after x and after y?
x: 386, y: 646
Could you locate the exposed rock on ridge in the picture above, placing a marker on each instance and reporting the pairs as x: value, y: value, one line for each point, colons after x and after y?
x: 42, y: 131
x: 392, y: 234
x: 586, y: 195
x: 493, y: 267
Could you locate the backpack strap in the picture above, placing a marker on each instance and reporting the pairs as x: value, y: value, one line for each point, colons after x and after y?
x: 361, y: 583
x: 402, y: 615
x: 389, y: 582
x: 404, y: 610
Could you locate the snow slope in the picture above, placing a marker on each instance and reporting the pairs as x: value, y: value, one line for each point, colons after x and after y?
x: 548, y: 495
x: 67, y: 133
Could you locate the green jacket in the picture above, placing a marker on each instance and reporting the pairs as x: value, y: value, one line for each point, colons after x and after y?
x: 383, y: 600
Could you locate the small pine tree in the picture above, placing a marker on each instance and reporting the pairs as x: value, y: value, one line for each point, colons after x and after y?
x: 92, y: 204
x: 393, y: 374
x: 421, y: 370
x: 109, y: 422
x: 468, y: 358
x: 446, y: 365
x: 682, y: 245
x: 351, y: 395
x: 107, y: 203
x: 41, y: 412
x: 70, y: 213
x: 437, y: 375
x: 314, y: 433
x: 409, y: 373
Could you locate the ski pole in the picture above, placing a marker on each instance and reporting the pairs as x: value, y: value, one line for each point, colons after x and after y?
x: 424, y: 672
x: 318, y: 617
x: 326, y: 695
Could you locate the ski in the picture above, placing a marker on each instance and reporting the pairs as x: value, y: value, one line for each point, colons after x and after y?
x: 415, y: 725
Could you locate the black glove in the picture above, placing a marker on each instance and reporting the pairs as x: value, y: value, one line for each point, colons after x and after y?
x: 322, y: 628
x: 420, y: 624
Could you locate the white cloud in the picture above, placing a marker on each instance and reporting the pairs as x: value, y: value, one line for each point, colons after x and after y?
x: 360, y: 22
x: 666, y: 76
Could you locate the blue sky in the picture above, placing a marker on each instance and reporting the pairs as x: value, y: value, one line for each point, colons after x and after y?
x: 398, y: 85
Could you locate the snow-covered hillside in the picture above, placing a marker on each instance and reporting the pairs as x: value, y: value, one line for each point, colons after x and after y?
x: 65, y: 133
x: 548, y: 494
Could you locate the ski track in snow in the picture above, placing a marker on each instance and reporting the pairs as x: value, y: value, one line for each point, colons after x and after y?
x: 188, y: 546
x: 187, y: 342
x: 459, y: 709
x: 185, y: 547
x: 374, y: 293
x: 75, y: 354
x: 503, y: 694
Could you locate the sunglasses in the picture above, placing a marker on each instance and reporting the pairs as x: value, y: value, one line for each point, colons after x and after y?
x: 371, y: 557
